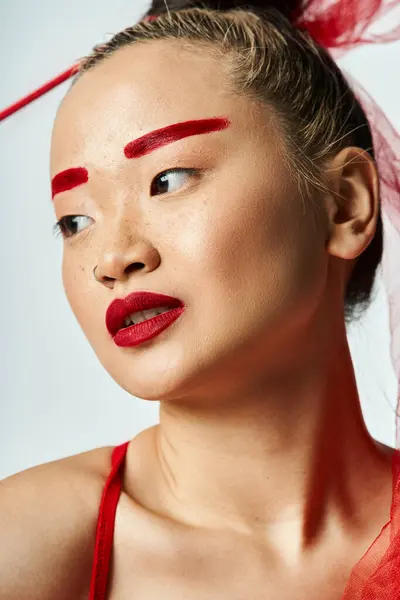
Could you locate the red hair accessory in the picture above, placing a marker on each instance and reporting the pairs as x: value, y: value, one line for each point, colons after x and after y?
x: 344, y: 24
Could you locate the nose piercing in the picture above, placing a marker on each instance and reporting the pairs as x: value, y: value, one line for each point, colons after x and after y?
x: 94, y: 273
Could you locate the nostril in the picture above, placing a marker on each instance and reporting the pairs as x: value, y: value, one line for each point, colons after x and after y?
x: 136, y: 266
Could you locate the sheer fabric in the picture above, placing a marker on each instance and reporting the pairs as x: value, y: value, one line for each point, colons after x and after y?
x: 340, y: 26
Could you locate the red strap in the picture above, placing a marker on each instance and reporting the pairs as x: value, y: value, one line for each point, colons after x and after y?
x: 105, y: 525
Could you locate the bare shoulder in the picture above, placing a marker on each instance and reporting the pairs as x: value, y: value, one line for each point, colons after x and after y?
x: 48, y: 518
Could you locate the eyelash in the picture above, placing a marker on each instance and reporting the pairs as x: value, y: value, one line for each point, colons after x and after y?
x: 60, y: 227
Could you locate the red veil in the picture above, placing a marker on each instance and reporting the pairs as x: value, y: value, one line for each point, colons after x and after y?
x: 340, y: 25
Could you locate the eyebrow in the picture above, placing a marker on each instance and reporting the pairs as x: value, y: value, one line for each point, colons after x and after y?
x: 166, y: 135
x: 66, y: 180
x: 71, y: 178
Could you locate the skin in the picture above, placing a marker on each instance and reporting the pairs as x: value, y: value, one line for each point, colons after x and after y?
x: 261, y: 465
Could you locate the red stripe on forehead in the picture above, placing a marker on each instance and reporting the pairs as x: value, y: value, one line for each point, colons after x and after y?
x: 166, y: 135
x: 66, y: 180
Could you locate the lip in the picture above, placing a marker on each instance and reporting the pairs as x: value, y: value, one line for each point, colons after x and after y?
x: 119, y: 309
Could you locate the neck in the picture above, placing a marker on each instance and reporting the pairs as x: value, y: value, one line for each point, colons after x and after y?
x: 290, y: 459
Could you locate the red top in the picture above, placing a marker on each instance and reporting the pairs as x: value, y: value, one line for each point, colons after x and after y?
x: 376, y: 576
x: 105, y: 525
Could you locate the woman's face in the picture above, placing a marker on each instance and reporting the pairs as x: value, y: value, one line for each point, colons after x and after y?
x: 232, y: 239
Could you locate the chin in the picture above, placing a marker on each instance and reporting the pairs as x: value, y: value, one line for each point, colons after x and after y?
x: 148, y: 383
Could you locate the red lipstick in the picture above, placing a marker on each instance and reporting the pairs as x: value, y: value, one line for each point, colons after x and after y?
x: 133, y: 335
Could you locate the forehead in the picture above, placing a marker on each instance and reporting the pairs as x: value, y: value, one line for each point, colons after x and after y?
x: 138, y: 89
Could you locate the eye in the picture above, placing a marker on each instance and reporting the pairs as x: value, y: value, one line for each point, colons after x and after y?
x: 69, y: 225
x: 161, y: 184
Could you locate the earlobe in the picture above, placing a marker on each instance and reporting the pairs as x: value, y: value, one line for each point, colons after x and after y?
x: 353, y: 205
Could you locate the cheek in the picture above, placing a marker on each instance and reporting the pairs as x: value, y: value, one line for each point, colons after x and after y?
x: 76, y: 283
x: 261, y: 246
x: 244, y: 229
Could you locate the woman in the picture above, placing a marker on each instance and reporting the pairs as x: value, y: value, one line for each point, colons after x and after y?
x: 261, y: 479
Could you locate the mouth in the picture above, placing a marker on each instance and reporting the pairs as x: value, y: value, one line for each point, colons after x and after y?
x: 137, y: 308
x: 143, y: 315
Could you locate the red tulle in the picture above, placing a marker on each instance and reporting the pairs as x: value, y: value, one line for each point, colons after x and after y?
x: 344, y: 23
x: 387, y: 151
x: 377, y: 575
x: 339, y: 26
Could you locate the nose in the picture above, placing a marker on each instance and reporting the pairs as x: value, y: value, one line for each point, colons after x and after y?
x: 118, y: 266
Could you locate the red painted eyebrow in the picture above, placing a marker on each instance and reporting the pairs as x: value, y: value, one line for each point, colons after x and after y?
x: 66, y: 180
x: 166, y: 135
x: 71, y: 178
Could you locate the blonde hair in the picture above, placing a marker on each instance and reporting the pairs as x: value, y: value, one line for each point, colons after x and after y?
x: 272, y: 62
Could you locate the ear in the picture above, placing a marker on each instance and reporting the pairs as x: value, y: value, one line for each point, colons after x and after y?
x: 353, y: 205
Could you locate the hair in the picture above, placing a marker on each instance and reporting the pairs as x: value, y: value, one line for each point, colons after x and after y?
x: 271, y: 60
